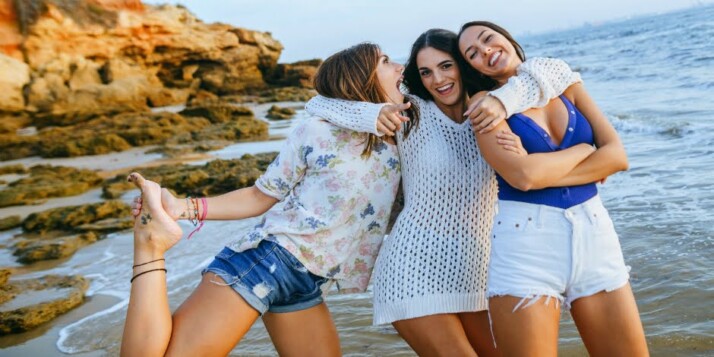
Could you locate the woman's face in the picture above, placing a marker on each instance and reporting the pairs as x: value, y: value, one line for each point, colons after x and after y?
x: 389, y: 75
x: 440, y: 76
x: 489, y: 52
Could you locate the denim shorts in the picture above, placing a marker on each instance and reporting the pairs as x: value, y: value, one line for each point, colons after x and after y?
x: 268, y: 278
x: 566, y: 254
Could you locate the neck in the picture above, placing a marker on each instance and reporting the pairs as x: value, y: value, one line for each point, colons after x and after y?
x: 455, y: 111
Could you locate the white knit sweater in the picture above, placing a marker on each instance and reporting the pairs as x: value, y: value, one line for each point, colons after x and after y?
x: 435, y: 260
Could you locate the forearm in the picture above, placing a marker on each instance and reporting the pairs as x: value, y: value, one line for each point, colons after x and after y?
x: 239, y: 204
x: 596, y: 167
x: 541, y: 170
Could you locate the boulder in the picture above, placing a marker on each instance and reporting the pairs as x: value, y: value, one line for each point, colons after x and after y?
x: 40, y: 249
x: 57, y: 295
x: 15, y: 75
x: 70, y: 218
x: 10, y: 223
x: 277, y: 113
x: 45, y: 181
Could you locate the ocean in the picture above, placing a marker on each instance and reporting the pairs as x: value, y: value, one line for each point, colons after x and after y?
x: 653, y: 77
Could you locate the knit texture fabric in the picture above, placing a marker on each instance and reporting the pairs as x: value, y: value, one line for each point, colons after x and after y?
x: 538, y: 80
x: 436, y: 257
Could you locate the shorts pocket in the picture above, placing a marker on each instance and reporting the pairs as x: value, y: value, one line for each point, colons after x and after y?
x: 507, y: 224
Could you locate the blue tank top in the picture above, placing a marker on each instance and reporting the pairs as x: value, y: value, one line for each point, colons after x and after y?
x: 537, y: 140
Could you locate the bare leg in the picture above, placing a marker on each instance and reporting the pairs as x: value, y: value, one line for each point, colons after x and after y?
x: 309, y: 332
x: 435, y: 335
x: 529, y: 331
x: 210, y: 322
x: 147, y: 329
x: 478, y: 331
x: 609, y: 323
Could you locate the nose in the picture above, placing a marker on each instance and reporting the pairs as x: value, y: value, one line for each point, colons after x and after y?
x: 400, y: 67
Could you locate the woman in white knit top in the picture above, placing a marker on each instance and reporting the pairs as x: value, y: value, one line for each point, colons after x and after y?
x: 430, y: 276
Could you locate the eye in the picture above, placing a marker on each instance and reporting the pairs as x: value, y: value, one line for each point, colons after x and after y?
x: 424, y: 73
x: 488, y: 38
x: 447, y: 65
x: 386, y: 59
x: 472, y: 55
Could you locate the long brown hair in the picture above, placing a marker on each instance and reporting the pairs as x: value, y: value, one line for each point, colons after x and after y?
x: 351, y: 74
x: 481, y: 81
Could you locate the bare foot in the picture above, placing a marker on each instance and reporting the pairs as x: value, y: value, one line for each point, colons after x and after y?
x: 154, y: 229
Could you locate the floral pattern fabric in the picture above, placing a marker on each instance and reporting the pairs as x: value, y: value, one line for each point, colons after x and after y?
x: 335, y: 202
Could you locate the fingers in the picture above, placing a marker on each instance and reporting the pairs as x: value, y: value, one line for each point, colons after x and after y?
x: 472, y: 107
x: 383, y: 129
x: 492, y: 125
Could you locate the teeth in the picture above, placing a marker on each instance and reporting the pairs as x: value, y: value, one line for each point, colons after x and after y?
x: 494, y: 58
x: 446, y: 87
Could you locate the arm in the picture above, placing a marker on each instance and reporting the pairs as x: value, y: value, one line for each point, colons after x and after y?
x: 534, y: 171
x: 538, y: 80
x: 610, y: 156
x: 283, y: 174
x: 364, y: 117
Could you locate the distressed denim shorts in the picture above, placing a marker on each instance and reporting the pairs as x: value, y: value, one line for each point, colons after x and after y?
x: 268, y: 278
x: 566, y: 254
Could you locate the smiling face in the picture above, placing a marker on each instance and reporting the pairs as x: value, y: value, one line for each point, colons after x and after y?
x: 389, y: 76
x: 489, y: 52
x: 440, y: 76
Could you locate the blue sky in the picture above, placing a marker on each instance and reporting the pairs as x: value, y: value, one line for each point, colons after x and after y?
x: 312, y: 28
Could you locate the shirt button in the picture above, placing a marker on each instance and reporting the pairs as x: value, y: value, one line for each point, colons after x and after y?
x: 572, y: 112
x: 570, y: 129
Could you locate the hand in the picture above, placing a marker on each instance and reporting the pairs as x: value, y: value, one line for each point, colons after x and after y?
x: 390, y: 118
x: 511, y: 142
x: 485, y: 112
x: 172, y: 205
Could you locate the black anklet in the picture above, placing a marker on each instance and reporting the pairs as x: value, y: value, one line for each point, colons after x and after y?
x: 153, y: 261
x: 144, y: 272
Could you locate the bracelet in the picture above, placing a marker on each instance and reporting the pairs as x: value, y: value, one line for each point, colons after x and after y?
x: 142, y: 264
x: 202, y: 219
x: 144, y: 272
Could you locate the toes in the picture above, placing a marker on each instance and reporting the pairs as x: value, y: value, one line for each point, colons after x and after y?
x: 136, y: 179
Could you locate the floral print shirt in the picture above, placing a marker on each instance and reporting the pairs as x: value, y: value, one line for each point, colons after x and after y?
x: 335, y: 202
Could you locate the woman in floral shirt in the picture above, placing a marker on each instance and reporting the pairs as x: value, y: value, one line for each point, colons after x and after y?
x: 336, y: 189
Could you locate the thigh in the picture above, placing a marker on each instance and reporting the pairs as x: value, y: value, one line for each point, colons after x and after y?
x: 309, y: 332
x: 530, y: 330
x: 609, y: 323
x: 478, y: 331
x: 435, y: 335
x: 211, y: 321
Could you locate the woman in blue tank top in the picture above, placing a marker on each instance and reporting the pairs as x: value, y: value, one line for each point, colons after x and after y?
x: 553, y: 242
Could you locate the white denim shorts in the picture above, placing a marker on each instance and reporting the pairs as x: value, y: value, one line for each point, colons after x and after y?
x: 566, y: 254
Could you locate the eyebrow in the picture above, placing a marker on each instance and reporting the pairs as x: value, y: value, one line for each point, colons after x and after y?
x: 438, y: 64
x: 383, y: 56
x: 471, y: 47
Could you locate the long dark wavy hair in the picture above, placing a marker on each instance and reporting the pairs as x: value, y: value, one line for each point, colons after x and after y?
x: 444, y: 41
x: 481, y: 82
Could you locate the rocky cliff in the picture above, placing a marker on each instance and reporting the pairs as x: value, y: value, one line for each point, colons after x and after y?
x: 78, y: 58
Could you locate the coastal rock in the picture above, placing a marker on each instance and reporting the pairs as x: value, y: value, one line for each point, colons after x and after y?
x: 13, y: 169
x: 104, y: 57
x: 4, y: 275
x: 213, y: 178
x: 11, y: 123
x: 45, y: 181
x: 277, y: 113
x: 217, y: 113
x: 71, y: 218
x: 298, y: 74
x: 10, y: 223
x: 38, y: 249
x: 15, y: 75
x: 56, y: 296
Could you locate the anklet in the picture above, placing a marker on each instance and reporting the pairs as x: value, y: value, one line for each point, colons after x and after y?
x: 144, y: 272
x: 142, y: 264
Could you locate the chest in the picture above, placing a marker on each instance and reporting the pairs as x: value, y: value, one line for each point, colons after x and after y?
x: 557, y: 126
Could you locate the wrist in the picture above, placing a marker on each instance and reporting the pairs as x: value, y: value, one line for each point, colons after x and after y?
x: 147, y: 254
